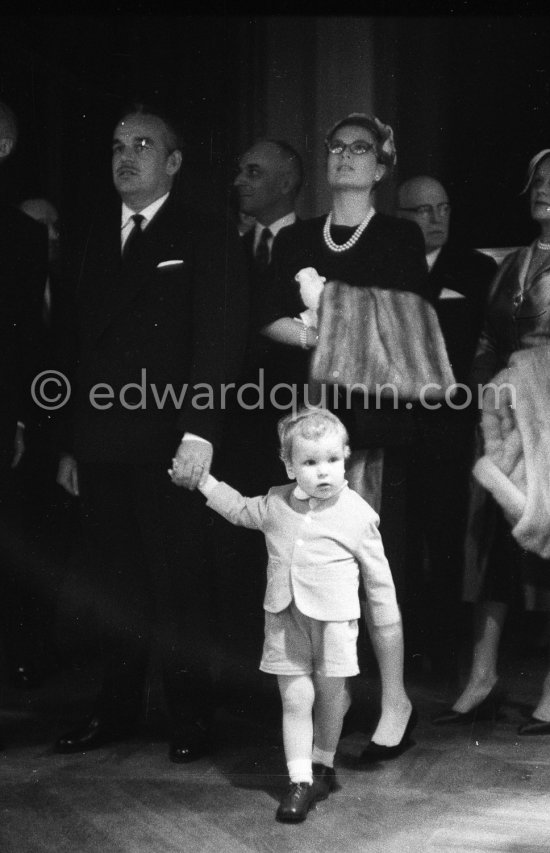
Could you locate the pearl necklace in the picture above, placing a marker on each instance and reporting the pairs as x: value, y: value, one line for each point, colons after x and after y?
x: 334, y: 247
x: 544, y: 246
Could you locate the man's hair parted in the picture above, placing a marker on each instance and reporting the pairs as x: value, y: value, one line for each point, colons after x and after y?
x: 161, y: 111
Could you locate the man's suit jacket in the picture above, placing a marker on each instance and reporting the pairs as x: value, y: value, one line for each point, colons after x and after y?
x: 23, y: 271
x: 278, y: 361
x: 468, y: 273
x: 173, y: 316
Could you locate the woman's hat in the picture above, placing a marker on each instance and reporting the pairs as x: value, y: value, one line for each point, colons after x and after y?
x: 533, y: 163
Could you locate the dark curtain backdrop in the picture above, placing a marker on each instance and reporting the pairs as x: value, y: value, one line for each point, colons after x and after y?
x: 473, y: 106
x: 68, y: 76
x: 469, y: 97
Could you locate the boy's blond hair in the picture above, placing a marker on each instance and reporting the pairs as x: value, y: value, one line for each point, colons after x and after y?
x: 309, y: 423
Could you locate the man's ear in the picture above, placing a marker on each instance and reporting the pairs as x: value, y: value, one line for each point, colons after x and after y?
x: 6, y: 146
x: 347, y: 452
x: 286, y: 183
x: 173, y: 162
x: 290, y: 471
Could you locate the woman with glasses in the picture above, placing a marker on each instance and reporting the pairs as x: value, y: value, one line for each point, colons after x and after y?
x: 509, y: 545
x: 376, y: 328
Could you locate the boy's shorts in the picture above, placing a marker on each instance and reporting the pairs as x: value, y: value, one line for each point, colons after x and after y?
x: 296, y: 644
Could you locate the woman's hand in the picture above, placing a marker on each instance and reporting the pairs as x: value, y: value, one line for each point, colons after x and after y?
x: 311, y: 286
x: 291, y: 332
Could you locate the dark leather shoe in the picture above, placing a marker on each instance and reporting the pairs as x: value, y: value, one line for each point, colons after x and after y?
x: 533, y: 726
x: 296, y: 802
x: 486, y: 710
x: 378, y: 752
x: 324, y: 780
x: 94, y: 733
x: 189, y: 744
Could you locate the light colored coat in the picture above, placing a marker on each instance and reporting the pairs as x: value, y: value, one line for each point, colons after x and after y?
x: 316, y: 550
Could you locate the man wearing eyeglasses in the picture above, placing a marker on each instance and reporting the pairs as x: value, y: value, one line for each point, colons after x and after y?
x: 161, y: 317
x: 459, y: 278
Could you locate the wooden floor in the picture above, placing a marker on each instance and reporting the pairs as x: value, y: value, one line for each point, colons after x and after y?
x: 458, y: 790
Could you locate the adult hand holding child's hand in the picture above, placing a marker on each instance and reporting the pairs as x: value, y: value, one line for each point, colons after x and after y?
x: 191, y: 464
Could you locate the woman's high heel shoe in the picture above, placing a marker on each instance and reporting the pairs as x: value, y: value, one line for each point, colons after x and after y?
x: 486, y: 710
x: 377, y: 752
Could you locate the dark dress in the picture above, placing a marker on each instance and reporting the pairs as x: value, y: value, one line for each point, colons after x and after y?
x: 389, y: 255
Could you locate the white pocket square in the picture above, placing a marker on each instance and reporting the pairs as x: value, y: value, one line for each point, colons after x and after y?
x: 448, y: 293
x: 164, y: 264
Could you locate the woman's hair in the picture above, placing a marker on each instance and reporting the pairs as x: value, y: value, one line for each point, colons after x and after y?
x: 532, y: 167
x: 311, y: 424
x: 383, y: 136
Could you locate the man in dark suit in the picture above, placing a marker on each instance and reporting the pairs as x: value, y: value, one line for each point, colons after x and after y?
x: 23, y: 264
x: 459, y: 278
x: 161, y: 317
x: 268, y: 182
x: 269, y: 178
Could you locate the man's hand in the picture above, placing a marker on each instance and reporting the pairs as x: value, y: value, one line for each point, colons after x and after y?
x: 18, y: 446
x: 191, y: 464
x: 67, y: 475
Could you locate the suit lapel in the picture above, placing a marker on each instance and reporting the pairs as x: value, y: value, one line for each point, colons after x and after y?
x: 109, y: 285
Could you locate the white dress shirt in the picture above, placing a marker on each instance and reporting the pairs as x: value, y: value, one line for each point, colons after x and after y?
x: 127, y: 223
x: 275, y: 227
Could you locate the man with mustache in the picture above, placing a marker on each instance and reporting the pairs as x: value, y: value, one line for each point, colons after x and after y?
x: 161, y: 302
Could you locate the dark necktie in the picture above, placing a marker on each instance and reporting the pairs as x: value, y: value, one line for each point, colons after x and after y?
x: 134, y: 237
x: 262, y: 250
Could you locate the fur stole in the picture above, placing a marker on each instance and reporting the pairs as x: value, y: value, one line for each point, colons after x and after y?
x: 516, y: 432
x: 372, y: 337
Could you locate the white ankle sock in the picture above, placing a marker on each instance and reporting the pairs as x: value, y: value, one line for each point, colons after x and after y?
x: 299, y: 770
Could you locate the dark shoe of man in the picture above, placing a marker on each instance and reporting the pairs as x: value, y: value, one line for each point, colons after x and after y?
x: 189, y: 743
x: 96, y: 732
x: 324, y: 780
x: 296, y: 803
